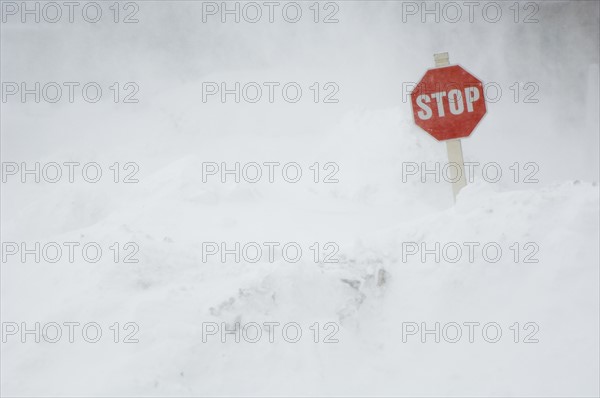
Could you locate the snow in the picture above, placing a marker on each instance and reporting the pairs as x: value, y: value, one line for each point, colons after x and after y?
x: 372, y: 294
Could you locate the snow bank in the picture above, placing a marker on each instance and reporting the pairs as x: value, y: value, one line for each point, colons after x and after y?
x: 374, y: 294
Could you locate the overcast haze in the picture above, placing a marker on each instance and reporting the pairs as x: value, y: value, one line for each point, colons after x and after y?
x: 363, y: 203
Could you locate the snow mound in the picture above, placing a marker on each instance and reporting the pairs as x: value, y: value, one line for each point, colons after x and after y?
x: 366, y: 299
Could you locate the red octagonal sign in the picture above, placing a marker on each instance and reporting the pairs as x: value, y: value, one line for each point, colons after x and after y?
x: 448, y: 102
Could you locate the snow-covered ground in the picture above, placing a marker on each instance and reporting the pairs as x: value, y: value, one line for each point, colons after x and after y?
x: 513, y: 298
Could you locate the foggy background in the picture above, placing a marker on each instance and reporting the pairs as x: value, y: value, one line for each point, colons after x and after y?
x: 371, y: 53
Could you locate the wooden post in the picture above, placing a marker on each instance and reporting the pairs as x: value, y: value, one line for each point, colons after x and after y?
x: 454, y: 147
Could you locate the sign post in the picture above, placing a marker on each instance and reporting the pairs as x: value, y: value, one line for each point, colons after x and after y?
x: 455, y: 156
x: 448, y: 103
x: 454, y: 147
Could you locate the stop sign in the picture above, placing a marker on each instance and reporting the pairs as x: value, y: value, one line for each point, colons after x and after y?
x: 448, y: 102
